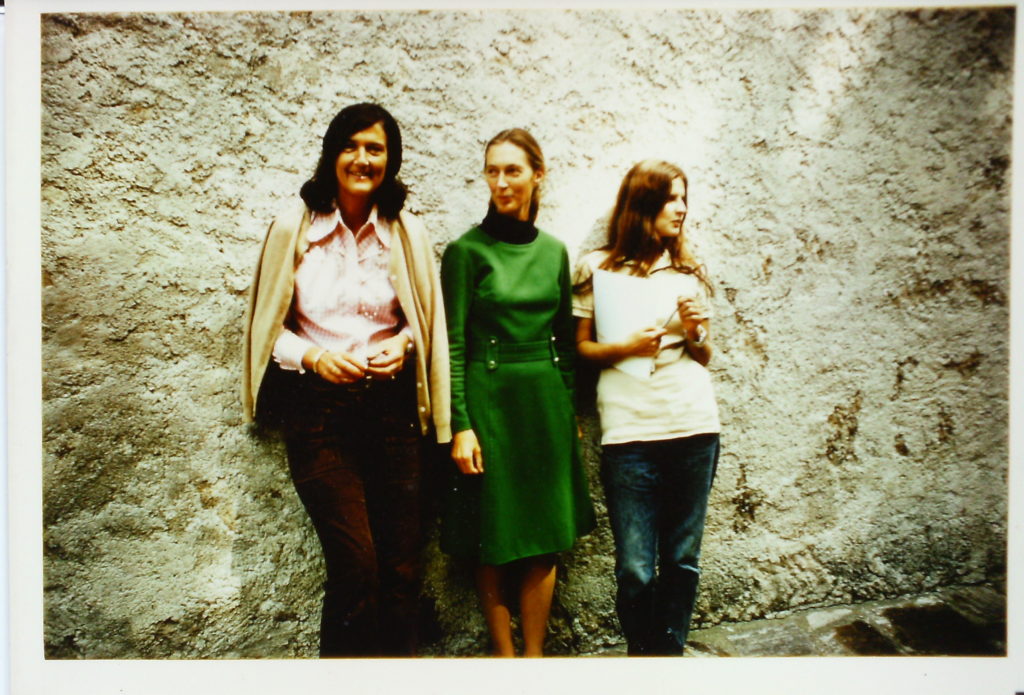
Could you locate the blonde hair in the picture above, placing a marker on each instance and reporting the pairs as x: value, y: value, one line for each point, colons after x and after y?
x: 534, y: 157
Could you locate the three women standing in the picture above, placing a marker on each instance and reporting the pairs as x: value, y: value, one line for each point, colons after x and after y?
x: 346, y: 350
x: 521, y: 493
x: 660, y: 429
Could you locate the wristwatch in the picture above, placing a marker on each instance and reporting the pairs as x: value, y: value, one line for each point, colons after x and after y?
x: 702, y: 335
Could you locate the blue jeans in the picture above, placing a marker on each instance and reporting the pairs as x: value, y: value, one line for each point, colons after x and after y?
x: 657, y: 494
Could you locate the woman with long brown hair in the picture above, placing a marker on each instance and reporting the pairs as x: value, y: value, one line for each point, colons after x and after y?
x: 659, y: 425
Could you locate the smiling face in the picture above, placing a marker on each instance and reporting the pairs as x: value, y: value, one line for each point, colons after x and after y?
x: 669, y: 222
x: 511, y: 179
x: 361, y: 163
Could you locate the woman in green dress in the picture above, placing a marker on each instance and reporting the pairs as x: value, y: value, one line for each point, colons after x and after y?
x: 520, y: 495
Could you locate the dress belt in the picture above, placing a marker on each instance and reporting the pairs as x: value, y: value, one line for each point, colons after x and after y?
x: 493, y: 351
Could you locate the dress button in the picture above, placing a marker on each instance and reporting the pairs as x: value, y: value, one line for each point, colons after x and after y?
x: 494, y: 341
x: 423, y: 409
x: 556, y: 359
x: 419, y: 385
x: 492, y: 364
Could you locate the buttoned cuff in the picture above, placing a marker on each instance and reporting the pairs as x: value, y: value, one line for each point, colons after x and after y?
x: 407, y: 331
x: 289, y: 350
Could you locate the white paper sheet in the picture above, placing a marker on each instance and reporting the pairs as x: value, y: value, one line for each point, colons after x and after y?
x: 625, y: 304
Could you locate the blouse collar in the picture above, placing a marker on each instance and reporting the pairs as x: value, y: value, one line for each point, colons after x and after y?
x: 324, y: 224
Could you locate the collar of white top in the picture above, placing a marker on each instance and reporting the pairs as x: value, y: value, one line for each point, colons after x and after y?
x: 660, y: 263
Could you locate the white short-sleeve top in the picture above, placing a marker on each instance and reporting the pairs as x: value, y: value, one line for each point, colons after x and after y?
x: 678, y: 400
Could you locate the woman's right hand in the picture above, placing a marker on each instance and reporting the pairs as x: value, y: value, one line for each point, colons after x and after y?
x: 336, y: 367
x: 643, y: 343
x: 466, y: 453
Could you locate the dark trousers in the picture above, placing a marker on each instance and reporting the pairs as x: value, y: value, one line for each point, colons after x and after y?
x: 657, y: 494
x: 355, y: 457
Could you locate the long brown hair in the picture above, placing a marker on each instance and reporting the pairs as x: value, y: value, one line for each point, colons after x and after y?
x: 522, y: 139
x: 632, y: 239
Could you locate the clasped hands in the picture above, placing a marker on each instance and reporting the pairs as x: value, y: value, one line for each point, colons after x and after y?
x: 340, y: 367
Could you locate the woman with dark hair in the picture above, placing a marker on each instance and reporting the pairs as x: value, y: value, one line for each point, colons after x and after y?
x: 520, y: 495
x: 659, y: 425
x: 346, y: 351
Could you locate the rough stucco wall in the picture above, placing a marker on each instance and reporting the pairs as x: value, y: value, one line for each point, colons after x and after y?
x: 849, y: 192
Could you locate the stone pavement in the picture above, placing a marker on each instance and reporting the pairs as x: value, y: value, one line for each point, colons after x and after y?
x: 955, y: 621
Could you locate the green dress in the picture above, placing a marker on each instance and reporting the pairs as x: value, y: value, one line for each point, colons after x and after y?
x: 510, y: 332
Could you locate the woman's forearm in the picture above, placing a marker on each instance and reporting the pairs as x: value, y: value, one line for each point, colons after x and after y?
x: 601, y: 354
x: 699, y: 351
x: 643, y: 343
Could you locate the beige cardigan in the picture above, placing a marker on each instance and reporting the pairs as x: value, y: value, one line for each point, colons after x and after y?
x: 414, y: 276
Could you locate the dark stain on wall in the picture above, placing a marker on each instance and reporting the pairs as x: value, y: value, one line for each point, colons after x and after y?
x: 901, y: 446
x: 843, y: 424
x: 752, y: 337
x: 987, y: 292
x: 994, y: 171
x: 968, y: 365
x: 814, y: 245
x: 946, y: 428
x: 901, y: 374
x: 746, y: 503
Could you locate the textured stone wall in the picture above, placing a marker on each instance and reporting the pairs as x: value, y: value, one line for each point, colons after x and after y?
x: 849, y: 191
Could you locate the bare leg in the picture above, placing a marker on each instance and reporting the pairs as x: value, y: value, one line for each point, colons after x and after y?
x: 535, y: 602
x: 495, y: 608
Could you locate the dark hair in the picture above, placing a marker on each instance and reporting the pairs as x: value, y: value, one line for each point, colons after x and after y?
x: 632, y: 238
x: 534, y: 157
x: 320, y: 191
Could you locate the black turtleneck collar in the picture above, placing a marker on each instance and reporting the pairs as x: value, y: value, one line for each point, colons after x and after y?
x: 508, y: 229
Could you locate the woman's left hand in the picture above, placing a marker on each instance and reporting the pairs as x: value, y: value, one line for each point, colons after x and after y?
x: 390, y: 359
x: 696, y: 324
x: 691, y: 313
